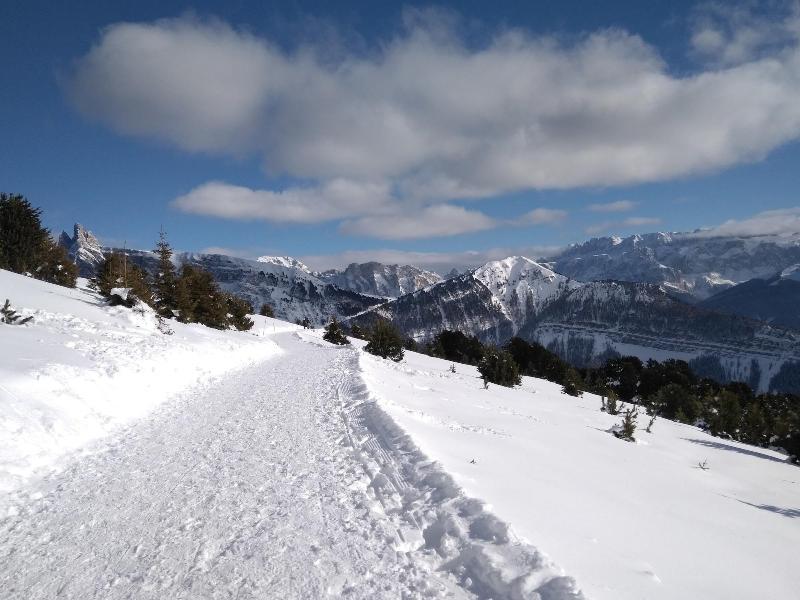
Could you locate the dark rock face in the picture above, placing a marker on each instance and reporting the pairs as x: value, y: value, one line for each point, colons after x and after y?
x: 774, y: 300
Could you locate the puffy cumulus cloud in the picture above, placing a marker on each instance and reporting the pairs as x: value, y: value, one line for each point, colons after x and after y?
x: 734, y: 33
x: 438, y: 220
x: 436, y: 117
x: 781, y: 222
x: 335, y: 199
x: 623, y: 224
x: 612, y: 207
x: 441, y: 262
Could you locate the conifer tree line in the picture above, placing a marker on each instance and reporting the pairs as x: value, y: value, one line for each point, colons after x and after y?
x: 27, y: 247
x: 668, y: 389
x: 190, y: 295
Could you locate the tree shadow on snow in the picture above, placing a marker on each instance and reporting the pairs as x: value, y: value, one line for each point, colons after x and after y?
x: 792, y: 513
x: 731, y: 448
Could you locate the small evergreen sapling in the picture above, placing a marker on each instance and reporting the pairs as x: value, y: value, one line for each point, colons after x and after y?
x: 627, y: 430
x: 612, y: 404
x: 650, y: 424
x: 10, y: 317
x: 334, y: 333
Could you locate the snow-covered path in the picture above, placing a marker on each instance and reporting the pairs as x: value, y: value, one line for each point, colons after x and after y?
x: 269, y: 485
x: 240, y: 493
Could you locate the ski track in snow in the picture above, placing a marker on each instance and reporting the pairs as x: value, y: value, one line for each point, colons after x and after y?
x: 284, y: 481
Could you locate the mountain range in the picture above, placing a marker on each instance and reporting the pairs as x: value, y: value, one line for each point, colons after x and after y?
x: 648, y: 296
x: 692, y: 265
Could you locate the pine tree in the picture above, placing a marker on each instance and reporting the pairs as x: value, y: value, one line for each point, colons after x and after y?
x: 238, y: 311
x: 627, y: 430
x: 10, y: 317
x: 55, y: 265
x: 199, y: 299
x: 334, y: 333
x: 22, y: 236
x: 165, y: 281
x: 356, y: 332
x: 498, y: 366
x: 572, y: 383
x: 116, y: 273
x: 26, y: 246
x: 110, y: 274
x: 266, y: 311
x: 385, y: 341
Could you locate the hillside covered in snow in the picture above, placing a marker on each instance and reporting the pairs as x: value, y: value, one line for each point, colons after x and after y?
x: 270, y: 463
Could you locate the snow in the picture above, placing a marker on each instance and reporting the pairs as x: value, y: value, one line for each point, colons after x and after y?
x: 287, y: 262
x: 626, y: 520
x: 520, y: 286
x: 272, y: 464
x: 792, y: 272
x: 80, y: 369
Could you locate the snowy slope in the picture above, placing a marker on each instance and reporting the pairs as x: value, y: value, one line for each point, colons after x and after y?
x: 284, y: 261
x: 81, y: 369
x: 628, y: 521
x: 388, y: 281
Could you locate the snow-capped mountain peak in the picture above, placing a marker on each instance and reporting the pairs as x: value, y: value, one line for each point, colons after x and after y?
x: 520, y: 286
x: 286, y: 262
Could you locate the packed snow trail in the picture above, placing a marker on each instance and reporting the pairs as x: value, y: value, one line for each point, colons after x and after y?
x: 274, y: 484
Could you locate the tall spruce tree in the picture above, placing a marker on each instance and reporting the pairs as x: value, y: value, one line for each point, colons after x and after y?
x: 165, y: 280
x: 26, y: 246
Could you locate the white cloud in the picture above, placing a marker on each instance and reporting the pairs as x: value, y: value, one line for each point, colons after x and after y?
x: 541, y: 216
x: 432, y: 221
x: 782, y: 222
x: 730, y: 34
x: 436, y: 118
x: 335, y: 199
x: 624, y: 224
x: 610, y: 207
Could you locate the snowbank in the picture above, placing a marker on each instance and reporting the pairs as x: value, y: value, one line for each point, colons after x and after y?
x: 626, y: 520
x: 81, y: 369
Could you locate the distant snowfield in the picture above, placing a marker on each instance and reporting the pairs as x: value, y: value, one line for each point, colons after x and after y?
x: 79, y: 370
x: 628, y: 521
x: 269, y: 462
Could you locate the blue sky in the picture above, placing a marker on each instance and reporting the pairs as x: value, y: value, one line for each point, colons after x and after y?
x: 397, y: 131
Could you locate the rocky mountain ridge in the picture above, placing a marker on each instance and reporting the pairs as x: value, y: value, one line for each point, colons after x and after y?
x: 586, y: 323
x: 692, y: 265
